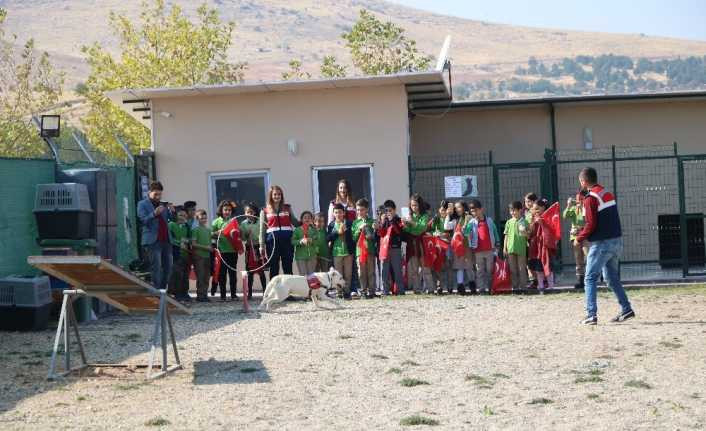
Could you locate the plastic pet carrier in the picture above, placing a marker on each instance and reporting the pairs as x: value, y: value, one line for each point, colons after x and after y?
x: 25, y: 303
x: 63, y: 211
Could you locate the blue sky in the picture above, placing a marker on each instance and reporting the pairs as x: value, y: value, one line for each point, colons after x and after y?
x: 673, y: 18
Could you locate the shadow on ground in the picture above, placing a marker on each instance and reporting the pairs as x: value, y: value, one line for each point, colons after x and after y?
x: 113, y: 338
x: 213, y: 372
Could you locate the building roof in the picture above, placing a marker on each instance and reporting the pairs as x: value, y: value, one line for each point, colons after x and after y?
x: 420, y: 86
x: 556, y: 100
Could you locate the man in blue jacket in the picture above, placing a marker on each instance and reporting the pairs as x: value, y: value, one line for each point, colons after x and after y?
x: 603, y: 231
x: 154, y: 217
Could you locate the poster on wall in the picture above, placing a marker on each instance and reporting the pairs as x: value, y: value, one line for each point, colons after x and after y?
x: 464, y: 186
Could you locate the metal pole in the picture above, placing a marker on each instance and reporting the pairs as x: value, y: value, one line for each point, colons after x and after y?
x: 67, y: 337
x: 496, y: 191
x: 163, y: 324
x: 171, y: 333
x: 682, y: 220
x: 79, y: 142
x: 59, y: 327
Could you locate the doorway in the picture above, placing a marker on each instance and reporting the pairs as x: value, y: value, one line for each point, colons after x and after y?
x: 239, y: 187
x: 325, y: 180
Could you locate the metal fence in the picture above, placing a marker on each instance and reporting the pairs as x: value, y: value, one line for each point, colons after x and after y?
x: 661, y: 197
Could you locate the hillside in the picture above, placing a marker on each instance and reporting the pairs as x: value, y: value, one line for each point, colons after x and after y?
x: 271, y: 32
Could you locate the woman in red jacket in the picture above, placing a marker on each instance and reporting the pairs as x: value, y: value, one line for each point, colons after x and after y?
x: 277, y: 223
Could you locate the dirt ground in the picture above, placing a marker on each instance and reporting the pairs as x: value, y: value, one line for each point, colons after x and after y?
x: 512, y: 362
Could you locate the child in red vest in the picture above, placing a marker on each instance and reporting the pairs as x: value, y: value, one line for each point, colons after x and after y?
x: 542, y: 246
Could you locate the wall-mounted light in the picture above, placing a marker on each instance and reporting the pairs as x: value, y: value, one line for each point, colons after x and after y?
x: 166, y: 114
x: 50, y: 126
x: 587, y: 138
x: 293, y: 146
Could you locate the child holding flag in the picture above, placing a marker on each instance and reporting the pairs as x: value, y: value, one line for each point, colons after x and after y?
x: 442, y: 273
x: 339, y: 235
x: 305, y: 244
x: 364, y: 235
x: 544, y: 233
x: 415, y: 227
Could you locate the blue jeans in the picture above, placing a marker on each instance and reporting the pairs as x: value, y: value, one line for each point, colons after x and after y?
x: 159, y: 256
x: 603, y: 256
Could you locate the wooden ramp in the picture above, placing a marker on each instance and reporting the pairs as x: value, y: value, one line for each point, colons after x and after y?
x: 91, y: 276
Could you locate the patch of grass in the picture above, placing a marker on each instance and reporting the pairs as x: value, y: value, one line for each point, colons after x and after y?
x: 394, y: 370
x: 61, y: 405
x: 378, y: 356
x: 337, y: 353
x: 588, y: 379
x: 670, y: 344
x: 695, y: 396
x: 480, y: 381
x: 157, y: 422
x: 638, y: 384
x: 487, y: 411
x: 249, y: 370
x: 596, y: 372
x: 500, y: 376
x: 592, y: 396
x: 418, y: 420
x: 540, y: 401
x: 345, y: 337
x: 81, y: 398
x: 410, y: 382
x: 410, y: 363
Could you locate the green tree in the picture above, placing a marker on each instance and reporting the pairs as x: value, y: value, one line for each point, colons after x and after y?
x: 295, y: 72
x: 28, y: 86
x: 381, y: 48
x: 165, y: 49
x: 331, y: 69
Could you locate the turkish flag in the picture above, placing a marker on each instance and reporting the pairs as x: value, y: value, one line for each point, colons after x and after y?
x: 232, y: 233
x: 385, y: 244
x: 442, y: 248
x: 363, y: 246
x: 552, y: 218
x: 430, y: 250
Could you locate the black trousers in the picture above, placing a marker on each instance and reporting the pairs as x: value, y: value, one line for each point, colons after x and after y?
x: 231, y: 259
x: 281, y: 250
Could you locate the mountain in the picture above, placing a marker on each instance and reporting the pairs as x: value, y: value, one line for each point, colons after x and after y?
x: 269, y: 33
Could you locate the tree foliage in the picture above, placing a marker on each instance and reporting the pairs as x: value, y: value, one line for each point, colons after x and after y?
x: 28, y: 86
x: 295, y: 72
x: 331, y: 69
x: 165, y: 49
x: 381, y: 48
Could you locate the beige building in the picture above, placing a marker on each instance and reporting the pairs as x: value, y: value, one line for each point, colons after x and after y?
x: 232, y: 142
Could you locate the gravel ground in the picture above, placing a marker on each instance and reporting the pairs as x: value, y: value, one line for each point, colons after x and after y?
x: 517, y: 362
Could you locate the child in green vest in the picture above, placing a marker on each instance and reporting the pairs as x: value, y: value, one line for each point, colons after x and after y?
x: 415, y: 226
x: 575, y: 214
x: 323, y: 252
x: 179, y: 235
x: 444, y: 277
x: 201, y: 245
x: 305, y: 245
x: 515, y: 246
x: 250, y: 234
x: 228, y: 255
x: 365, y: 226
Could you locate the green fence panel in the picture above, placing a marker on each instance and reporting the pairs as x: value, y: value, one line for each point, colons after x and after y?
x: 18, y: 229
x: 127, y: 215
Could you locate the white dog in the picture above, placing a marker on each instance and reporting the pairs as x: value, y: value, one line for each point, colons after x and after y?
x: 283, y: 286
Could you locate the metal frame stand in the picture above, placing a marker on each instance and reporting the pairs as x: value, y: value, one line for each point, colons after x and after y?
x: 67, y: 319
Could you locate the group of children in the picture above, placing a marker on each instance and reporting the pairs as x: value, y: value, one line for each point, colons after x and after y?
x: 453, y: 249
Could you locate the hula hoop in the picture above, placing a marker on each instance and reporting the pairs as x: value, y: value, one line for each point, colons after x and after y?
x: 267, y: 262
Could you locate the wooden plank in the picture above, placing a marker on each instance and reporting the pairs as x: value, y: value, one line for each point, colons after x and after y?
x: 103, y: 280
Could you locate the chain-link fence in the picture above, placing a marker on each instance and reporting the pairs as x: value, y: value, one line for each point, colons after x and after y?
x: 660, y: 194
